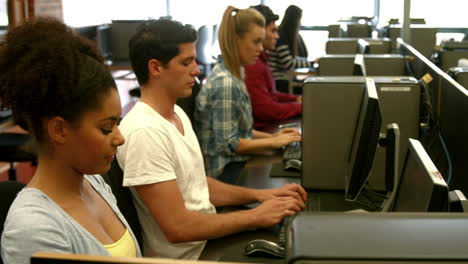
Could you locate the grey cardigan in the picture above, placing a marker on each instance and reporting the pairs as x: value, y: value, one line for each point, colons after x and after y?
x: 36, y: 223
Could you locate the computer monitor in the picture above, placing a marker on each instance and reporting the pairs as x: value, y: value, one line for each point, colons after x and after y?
x: 363, y: 46
x: 103, y: 39
x: 457, y: 201
x: 359, y: 68
x: 121, y: 32
x: 422, y: 188
x: 365, y: 140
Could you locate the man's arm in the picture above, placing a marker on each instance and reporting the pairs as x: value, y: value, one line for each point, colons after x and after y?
x: 179, y: 224
x: 222, y: 194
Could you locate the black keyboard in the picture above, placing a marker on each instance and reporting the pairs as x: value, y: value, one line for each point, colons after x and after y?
x: 282, y: 232
x: 293, y: 151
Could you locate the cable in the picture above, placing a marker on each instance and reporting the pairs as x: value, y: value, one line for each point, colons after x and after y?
x: 430, y: 116
x: 447, y: 154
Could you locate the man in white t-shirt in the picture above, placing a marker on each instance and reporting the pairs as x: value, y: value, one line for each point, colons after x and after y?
x: 162, y: 161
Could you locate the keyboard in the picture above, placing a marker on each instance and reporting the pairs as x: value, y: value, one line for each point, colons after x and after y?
x: 282, y: 231
x: 293, y: 151
x: 313, y: 203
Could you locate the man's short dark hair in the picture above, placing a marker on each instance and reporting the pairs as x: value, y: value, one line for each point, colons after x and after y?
x: 267, y: 13
x: 160, y: 40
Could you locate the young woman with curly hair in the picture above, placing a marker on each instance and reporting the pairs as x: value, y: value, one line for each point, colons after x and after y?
x: 61, y: 92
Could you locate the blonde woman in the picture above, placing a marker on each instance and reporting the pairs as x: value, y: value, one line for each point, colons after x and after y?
x: 223, y: 115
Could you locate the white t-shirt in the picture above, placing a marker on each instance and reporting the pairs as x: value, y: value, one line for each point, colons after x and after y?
x: 155, y: 151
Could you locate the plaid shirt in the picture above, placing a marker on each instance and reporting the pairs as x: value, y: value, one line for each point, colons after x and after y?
x: 223, y: 115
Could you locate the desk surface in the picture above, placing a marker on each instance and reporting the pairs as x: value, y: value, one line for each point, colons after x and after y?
x: 256, y: 174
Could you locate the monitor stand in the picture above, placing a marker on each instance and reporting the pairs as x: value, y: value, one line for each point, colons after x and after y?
x: 391, y: 142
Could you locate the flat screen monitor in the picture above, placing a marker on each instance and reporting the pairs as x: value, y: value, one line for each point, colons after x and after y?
x: 364, y: 144
x: 422, y: 188
x: 359, y: 68
x: 121, y: 32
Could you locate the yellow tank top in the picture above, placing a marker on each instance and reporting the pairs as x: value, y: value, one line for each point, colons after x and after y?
x: 124, y: 247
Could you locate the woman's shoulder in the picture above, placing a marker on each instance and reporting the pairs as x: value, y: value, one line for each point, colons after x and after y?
x: 220, y: 73
x: 31, y: 207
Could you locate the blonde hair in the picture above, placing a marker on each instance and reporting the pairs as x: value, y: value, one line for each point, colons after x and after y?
x: 235, y: 23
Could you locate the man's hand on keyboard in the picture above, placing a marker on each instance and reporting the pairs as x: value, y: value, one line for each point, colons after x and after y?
x: 292, y: 190
x: 272, y: 211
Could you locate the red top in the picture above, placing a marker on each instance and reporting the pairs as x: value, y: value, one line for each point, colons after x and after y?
x: 267, y: 103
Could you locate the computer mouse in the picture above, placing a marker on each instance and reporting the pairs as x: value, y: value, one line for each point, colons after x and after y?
x: 264, y: 248
x: 293, y: 165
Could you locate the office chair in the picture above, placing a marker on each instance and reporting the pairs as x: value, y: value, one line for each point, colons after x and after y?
x: 11, y: 150
x: 8, y: 192
x: 204, y: 49
x: 114, y: 178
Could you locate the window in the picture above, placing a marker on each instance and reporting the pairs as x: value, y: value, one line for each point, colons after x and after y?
x: 3, y: 13
x: 92, y: 12
x: 204, y: 12
x: 316, y: 13
x: 449, y: 13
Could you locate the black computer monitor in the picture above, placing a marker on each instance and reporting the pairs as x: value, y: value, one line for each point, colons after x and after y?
x: 365, y: 140
x: 363, y: 46
x: 422, y: 188
x: 120, y: 33
x: 359, y: 68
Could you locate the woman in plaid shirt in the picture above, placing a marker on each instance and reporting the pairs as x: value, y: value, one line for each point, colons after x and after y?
x: 223, y: 115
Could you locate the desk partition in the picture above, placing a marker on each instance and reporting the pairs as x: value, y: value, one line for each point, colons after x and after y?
x: 449, y: 110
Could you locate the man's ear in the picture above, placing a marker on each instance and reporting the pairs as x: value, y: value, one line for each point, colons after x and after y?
x: 154, y: 68
x: 57, y: 129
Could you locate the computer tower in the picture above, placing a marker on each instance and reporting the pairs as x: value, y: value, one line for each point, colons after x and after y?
x: 376, y: 65
x: 385, y: 64
x: 341, y: 46
x: 335, y: 31
x: 350, y: 45
x: 336, y: 65
x: 460, y: 75
x: 450, y: 58
x: 422, y: 38
x: 387, y: 238
x: 356, y: 30
x: 330, y: 109
x: 379, y: 45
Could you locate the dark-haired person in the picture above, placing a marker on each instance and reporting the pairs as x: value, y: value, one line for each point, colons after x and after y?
x: 162, y: 161
x: 223, y: 111
x: 267, y: 103
x: 68, y: 101
x: 285, y: 57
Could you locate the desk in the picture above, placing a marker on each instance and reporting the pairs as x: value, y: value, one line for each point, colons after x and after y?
x: 230, y: 248
x: 256, y: 174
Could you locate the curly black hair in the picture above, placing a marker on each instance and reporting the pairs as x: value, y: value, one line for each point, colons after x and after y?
x: 49, y: 70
